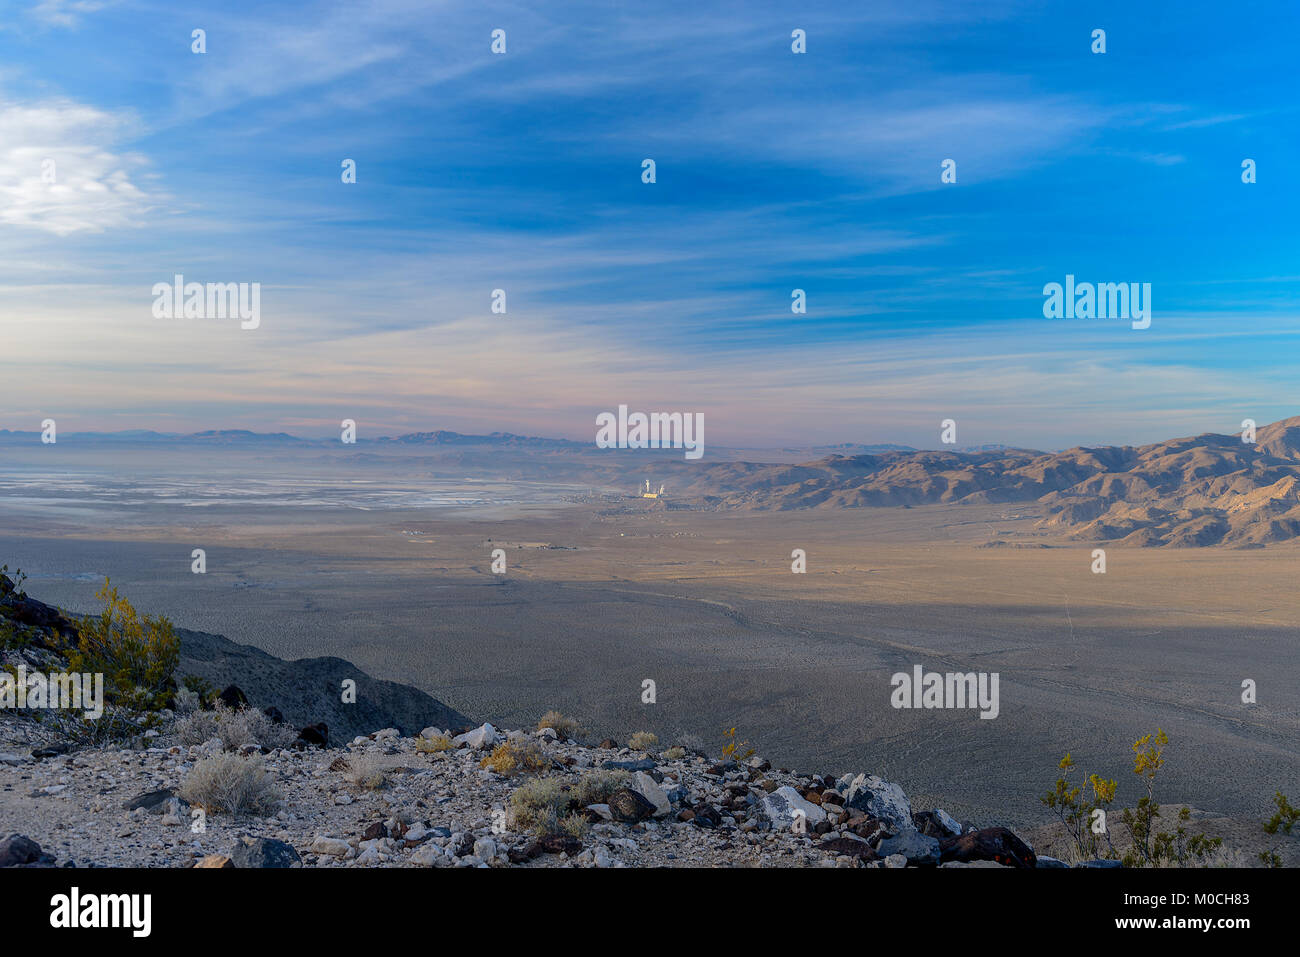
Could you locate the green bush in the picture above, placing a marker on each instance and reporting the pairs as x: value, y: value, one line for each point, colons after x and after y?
x: 136, y: 654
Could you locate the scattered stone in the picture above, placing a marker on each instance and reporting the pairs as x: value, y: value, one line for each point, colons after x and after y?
x: 976, y: 864
x: 705, y: 815
x: 560, y: 844
x: 850, y: 847
x: 263, y: 852
x: 784, y: 805
x: 877, y: 798
x: 629, y: 807
x: 333, y: 846
x: 921, y: 850
x: 154, y: 802
x: 429, y: 855
x: 649, y: 789
x: 215, y: 860
x: 484, y: 736
x: 644, y: 764
x: 990, y: 844
x: 17, y: 850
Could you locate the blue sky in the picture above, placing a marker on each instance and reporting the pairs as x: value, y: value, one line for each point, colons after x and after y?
x: 775, y: 171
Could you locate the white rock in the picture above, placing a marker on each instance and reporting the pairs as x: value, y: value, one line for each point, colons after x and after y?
x: 429, y: 855
x: 416, y: 832
x: 485, y: 848
x: 481, y: 737
x: 649, y: 789
x: 878, y: 798
x: 603, y: 810
x: 948, y: 822
x: 780, y: 806
x: 369, y: 856
x: 333, y: 846
x: 343, y: 797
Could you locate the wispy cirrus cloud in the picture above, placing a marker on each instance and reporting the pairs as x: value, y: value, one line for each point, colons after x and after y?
x: 66, y: 13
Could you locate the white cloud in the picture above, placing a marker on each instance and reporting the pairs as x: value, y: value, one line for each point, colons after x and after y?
x: 58, y: 173
x: 65, y: 13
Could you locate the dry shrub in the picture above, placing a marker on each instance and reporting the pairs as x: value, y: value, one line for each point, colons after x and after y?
x: 368, y: 771
x: 512, y: 757
x: 643, y: 741
x: 231, y: 784
x: 565, y: 727
x: 595, y: 787
x: 235, y: 729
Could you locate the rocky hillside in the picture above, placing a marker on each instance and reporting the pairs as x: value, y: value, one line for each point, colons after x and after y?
x: 1205, y: 490
x: 306, y: 692
x: 385, y: 800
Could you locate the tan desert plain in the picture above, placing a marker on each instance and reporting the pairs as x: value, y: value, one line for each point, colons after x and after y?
x: 604, y: 590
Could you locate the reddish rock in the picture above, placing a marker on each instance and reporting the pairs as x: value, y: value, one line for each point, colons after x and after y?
x: 990, y: 844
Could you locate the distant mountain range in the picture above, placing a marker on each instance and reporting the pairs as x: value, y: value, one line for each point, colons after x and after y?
x: 1204, y: 490
x: 243, y: 437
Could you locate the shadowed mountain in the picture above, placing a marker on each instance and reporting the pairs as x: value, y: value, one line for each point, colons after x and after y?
x: 306, y: 690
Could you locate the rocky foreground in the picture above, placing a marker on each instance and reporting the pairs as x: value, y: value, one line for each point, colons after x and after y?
x: 386, y: 801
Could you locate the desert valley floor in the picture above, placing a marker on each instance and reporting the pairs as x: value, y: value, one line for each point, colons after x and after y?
x: 596, y: 599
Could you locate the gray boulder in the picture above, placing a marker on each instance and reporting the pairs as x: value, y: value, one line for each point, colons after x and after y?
x: 876, y: 797
x: 263, y: 852
x: 17, y: 849
x: 921, y: 850
x: 782, y: 806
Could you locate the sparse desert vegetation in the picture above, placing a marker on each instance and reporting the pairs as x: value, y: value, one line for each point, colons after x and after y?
x: 369, y: 772
x: 231, y: 784
x: 515, y: 757
x: 566, y: 728
x: 433, y: 744
x: 235, y: 728
x: 643, y: 741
